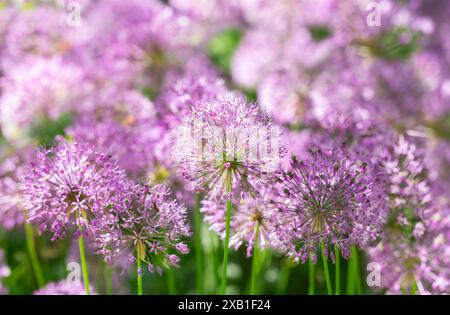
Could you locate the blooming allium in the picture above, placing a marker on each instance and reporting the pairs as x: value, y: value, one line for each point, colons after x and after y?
x: 37, y: 89
x: 147, y: 222
x: 63, y: 287
x: 227, y: 145
x: 11, y: 172
x: 329, y: 198
x: 251, y: 217
x: 414, y: 255
x: 70, y: 186
x: 121, y: 123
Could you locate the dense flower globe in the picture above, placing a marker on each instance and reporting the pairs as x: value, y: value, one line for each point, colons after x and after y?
x: 331, y: 199
x: 227, y: 145
x: 4, y: 272
x: 70, y: 187
x: 51, y: 84
x: 147, y: 225
x: 63, y: 287
x: 11, y: 172
x: 414, y: 256
x: 251, y: 220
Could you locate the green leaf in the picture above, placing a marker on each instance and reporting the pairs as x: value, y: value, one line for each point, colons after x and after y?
x: 221, y: 48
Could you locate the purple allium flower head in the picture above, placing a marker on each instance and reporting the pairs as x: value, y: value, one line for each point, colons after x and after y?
x: 251, y: 218
x: 148, y: 224
x: 63, y: 287
x: 70, y: 187
x: 4, y: 272
x: 52, y: 85
x: 121, y: 123
x: 11, y: 201
x: 331, y: 198
x: 414, y: 255
x: 227, y: 145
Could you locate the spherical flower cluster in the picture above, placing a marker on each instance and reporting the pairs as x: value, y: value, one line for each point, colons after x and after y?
x: 69, y: 187
x: 11, y: 205
x: 414, y: 255
x: 147, y: 225
x: 227, y: 145
x: 332, y: 200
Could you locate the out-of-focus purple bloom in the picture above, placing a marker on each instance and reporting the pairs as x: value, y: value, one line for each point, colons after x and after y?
x: 38, y: 89
x: 122, y: 124
x: 70, y: 187
x: 11, y: 199
x: 147, y: 223
x: 63, y: 287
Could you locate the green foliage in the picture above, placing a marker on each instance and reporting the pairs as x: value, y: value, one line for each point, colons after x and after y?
x: 45, y: 130
x: 221, y: 48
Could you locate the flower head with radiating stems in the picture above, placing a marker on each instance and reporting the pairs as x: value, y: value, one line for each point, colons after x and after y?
x: 329, y: 198
x: 251, y: 218
x: 227, y: 145
x: 63, y: 287
x: 147, y: 223
x: 70, y: 186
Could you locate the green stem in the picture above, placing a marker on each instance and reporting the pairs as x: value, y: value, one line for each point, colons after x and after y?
x: 350, y: 277
x: 356, y: 270
x: 337, y: 270
x: 31, y: 245
x: 108, y: 281
x: 284, y: 278
x: 225, y: 249
x: 325, y: 269
x: 255, y: 261
x: 198, y: 245
x: 213, y: 253
x: 311, y: 280
x: 138, y: 269
x: 171, y: 282
x: 84, y: 267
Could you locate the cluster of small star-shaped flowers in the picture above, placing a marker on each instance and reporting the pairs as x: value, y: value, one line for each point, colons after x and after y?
x: 69, y: 187
x: 330, y: 198
x: 63, y: 287
x: 227, y: 145
x: 252, y: 221
x: 147, y: 224
x: 414, y: 255
x: 11, y: 171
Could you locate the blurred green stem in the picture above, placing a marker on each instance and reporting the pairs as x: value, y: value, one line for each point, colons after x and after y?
x: 198, y: 245
x: 337, y: 270
x: 284, y: 277
x: 325, y: 269
x: 139, y: 269
x: 108, y: 281
x: 84, y: 267
x: 31, y: 245
x: 225, y: 249
x: 311, y: 280
x: 255, y: 261
x: 356, y: 270
x: 350, y: 277
x: 171, y: 282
